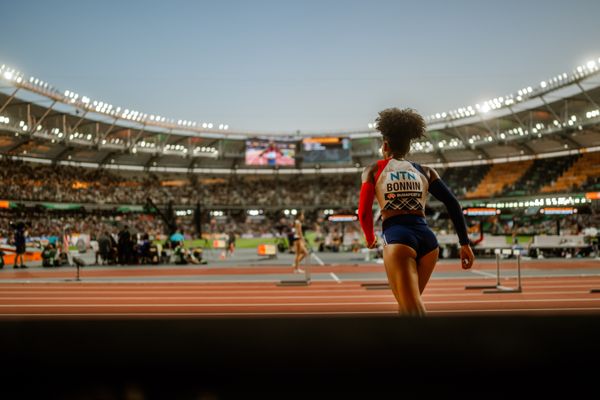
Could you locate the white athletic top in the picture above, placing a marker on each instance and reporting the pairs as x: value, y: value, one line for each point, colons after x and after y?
x: 400, y: 186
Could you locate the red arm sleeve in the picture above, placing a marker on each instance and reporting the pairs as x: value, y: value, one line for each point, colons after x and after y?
x: 365, y: 211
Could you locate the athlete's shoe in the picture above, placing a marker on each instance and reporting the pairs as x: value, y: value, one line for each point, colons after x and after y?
x: 298, y: 271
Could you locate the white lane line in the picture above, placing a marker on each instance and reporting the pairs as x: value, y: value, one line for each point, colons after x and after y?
x: 348, y: 286
x: 307, y: 295
x: 276, y: 313
x: 295, y: 304
x: 8, y: 283
x: 200, y: 305
x: 334, y: 276
x: 488, y: 274
x: 550, y: 310
x: 178, y: 294
x: 199, y: 314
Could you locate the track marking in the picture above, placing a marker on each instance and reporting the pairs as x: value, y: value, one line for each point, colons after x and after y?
x: 200, y: 314
x: 275, y: 313
x: 307, y: 295
x: 488, y: 274
x: 334, y: 276
x: 379, y: 303
x: 515, y: 310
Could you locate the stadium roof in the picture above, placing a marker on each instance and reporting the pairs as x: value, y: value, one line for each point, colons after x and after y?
x: 560, y: 115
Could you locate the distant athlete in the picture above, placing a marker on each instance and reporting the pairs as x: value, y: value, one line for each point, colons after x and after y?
x: 231, y: 242
x: 410, y: 248
x: 299, y: 243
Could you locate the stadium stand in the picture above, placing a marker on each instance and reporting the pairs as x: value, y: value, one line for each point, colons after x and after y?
x: 498, y: 177
x: 463, y: 180
x: 95, y: 170
x: 583, y: 169
x: 538, y: 173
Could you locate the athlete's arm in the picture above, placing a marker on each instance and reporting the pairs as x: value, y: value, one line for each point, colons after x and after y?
x: 365, y: 205
x: 443, y: 193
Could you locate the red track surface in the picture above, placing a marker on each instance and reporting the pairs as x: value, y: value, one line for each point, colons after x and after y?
x: 540, y: 295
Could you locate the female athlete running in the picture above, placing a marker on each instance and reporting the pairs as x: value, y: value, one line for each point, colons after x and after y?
x: 410, y: 248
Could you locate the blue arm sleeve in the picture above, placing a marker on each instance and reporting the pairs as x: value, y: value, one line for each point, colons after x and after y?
x: 441, y: 192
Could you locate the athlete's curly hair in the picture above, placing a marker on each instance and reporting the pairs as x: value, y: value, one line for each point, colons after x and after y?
x: 399, y: 127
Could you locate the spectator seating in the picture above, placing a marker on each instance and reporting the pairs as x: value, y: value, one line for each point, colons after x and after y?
x: 498, y: 177
x: 464, y: 179
x: 584, y: 168
x: 538, y: 175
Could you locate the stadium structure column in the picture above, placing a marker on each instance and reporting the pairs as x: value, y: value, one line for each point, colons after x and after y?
x: 10, y: 98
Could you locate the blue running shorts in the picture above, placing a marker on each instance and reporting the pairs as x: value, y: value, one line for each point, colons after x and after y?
x: 410, y: 230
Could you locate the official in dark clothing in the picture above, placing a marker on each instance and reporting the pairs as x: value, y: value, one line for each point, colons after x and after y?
x: 19, y: 240
x: 124, y: 246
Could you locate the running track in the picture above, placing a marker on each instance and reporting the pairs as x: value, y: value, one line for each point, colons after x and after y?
x: 38, y: 293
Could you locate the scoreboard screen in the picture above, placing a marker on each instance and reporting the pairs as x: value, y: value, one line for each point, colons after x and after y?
x: 270, y: 153
x: 326, y: 150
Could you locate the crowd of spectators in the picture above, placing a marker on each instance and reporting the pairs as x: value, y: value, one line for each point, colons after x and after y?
x: 332, y: 236
x: 22, y: 181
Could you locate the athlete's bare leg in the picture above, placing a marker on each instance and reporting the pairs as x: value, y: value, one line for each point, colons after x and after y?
x: 401, y: 269
x: 301, y: 252
x: 425, y: 267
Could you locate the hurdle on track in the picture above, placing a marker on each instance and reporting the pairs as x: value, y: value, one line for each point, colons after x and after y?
x: 499, y: 288
x: 78, y: 263
x: 306, y: 281
x: 297, y: 282
x: 376, y: 286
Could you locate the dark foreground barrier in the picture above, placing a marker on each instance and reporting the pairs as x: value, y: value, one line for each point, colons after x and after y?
x: 305, y: 357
